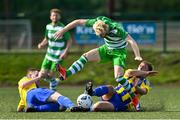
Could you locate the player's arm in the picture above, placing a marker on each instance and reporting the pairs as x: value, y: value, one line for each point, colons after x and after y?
x: 135, y: 47
x: 43, y: 43
x: 141, y: 91
x: 140, y: 73
x: 25, y: 84
x: 69, y: 26
x: 21, y: 106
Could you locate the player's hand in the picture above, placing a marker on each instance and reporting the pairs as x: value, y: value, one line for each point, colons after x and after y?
x: 135, y: 81
x: 152, y: 73
x: 63, y: 55
x: 40, y: 46
x: 58, y: 34
x: 138, y: 58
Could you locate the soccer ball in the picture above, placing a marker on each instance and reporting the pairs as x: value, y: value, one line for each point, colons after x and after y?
x: 85, y: 101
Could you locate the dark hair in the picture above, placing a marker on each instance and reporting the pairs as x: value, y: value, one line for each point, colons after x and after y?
x: 150, y: 66
x: 55, y: 10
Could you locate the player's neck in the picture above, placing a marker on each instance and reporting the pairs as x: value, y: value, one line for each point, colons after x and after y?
x: 54, y: 23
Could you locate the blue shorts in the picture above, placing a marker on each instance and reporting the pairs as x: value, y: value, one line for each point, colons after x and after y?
x: 117, y: 102
x: 38, y: 96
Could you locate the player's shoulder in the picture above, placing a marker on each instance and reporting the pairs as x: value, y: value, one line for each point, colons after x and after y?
x: 128, y: 70
x: 49, y: 25
x: 25, y: 78
x: 126, y: 74
x: 146, y: 82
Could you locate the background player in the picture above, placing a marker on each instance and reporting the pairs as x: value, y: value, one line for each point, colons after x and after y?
x: 137, y: 78
x: 56, y: 51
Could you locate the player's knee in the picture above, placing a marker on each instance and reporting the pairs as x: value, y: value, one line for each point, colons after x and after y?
x: 109, y: 94
x: 54, y: 97
x: 86, y: 55
x: 102, y: 106
x: 97, y: 107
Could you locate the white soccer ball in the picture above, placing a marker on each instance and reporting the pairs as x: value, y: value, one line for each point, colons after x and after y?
x: 85, y: 101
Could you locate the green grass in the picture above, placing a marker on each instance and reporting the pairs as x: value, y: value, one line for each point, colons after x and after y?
x: 14, y: 65
x: 163, y: 102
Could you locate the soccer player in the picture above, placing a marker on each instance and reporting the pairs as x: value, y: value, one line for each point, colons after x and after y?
x: 114, y: 49
x: 118, y: 99
x: 137, y: 78
x: 57, y: 49
x: 35, y: 99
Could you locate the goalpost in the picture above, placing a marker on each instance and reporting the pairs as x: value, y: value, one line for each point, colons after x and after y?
x: 15, y: 34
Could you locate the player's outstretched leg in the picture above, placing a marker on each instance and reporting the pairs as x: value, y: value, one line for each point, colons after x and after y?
x: 74, y: 68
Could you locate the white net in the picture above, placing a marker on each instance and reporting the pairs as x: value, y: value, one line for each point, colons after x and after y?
x: 15, y: 34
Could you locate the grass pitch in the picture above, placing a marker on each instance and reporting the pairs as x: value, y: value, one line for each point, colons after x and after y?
x: 163, y: 102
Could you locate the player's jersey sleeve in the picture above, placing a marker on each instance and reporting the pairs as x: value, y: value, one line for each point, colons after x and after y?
x: 90, y: 22
x: 146, y: 85
x: 24, y: 79
x: 121, y: 32
x: 126, y: 73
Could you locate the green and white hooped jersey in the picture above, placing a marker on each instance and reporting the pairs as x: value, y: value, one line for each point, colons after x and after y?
x: 55, y: 47
x: 115, y: 39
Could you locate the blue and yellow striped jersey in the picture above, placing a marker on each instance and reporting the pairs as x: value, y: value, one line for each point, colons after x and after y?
x: 123, y: 94
x: 142, y: 83
x: 126, y: 98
